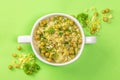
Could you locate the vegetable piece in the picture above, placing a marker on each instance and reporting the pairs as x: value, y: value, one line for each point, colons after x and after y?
x: 37, y: 37
x: 37, y: 67
x: 93, y: 28
x: 67, y: 33
x: 103, y: 11
x: 10, y: 67
x: 47, y: 55
x: 105, y: 19
x: 41, y: 44
x: 80, y: 41
x: 68, y: 30
x: 110, y: 16
x: 38, y: 32
x: 82, y: 18
x: 26, y: 68
x: 17, y: 65
x: 19, y: 48
x: 92, y: 32
x: 71, y: 23
x: 66, y: 42
x: 51, y: 30
x: 107, y: 10
x: 72, y: 56
x: 30, y: 68
x: 41, y: 35
x: 43, y: 23
x: 52, y: 18
x: 49, y: 60
x: 71, y: 50
x: 43, y: 51
x: 64, y: 27
x: 60, y: 33
x: 96, y: 14
x: 55, y: 56
x: 14, y: 55
x: 60, y: 18
x: 56, y: 27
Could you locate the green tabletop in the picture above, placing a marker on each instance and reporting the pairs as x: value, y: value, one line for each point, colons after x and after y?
x: 100, y: 61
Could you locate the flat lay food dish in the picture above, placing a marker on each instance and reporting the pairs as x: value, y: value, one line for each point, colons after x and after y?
x: 20, y: 19
x: 58, y: 38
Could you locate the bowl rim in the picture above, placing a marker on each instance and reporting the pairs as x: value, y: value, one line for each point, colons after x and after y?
x: 58, y: 14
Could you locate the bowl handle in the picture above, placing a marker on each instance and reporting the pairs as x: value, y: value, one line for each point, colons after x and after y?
x: 90, y: 40
x: 24, y: 39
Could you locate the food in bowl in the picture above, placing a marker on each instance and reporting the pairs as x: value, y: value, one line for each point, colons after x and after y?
x: 57, y: 38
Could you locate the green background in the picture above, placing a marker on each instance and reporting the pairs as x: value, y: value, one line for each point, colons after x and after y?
x: 100, y: 61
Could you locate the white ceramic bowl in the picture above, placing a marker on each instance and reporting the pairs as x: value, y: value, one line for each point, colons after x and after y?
x: 29, y: 39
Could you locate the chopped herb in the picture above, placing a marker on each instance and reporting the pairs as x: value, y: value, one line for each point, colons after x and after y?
x: 48, y: 49
x: 66, y: 42
x: 60, y: 33
x: 55, y: 56
x: 30, y: 68
x: 41, y: 35
x: 45, y: 25
x: 60, y: 28
x: 82, y: 17
x: 68, y: 30
x: 51, y: 31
